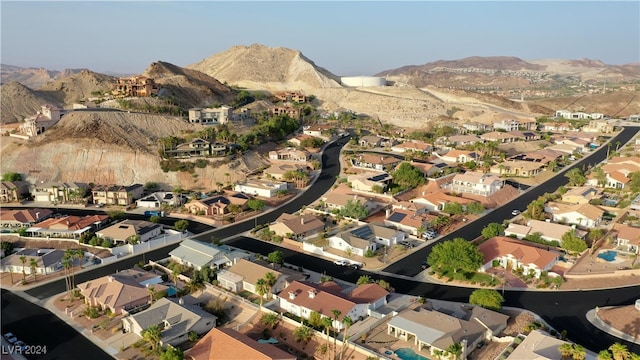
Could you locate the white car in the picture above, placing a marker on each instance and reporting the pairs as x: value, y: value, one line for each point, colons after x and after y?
x: 515, y: 212
x: 341, y: 262
x: 10, y: 338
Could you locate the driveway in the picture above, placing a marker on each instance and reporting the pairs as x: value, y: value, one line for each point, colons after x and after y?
x: 512, y: 281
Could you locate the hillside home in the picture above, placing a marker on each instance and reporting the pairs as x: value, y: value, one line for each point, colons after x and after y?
x: 370, y: 181
x: 160, y: 198
x: 297, y: 226
x: 277, y: 170
x: 59, y: 192
x: 46, y: 118
x: 375, y: 162
x: 371, y: 141
x: 139, y: 86
x: 117, y: 194
x: 217, y: 205
x: 517, y: 168
x: 298, y: 140
x: 584, y: 215
x: 435, y: 328
x: 227, y: 343
x: 210, y: 116
x: 23, y: 218
x: 263, y: 188
x: 13, y: 191
x: 290, y: 154
x: 291, y: 96
x: 512, y: 124
x: 127, y: 230
x: 565, y: 114
x: 176, y: 321
x: 580, y: 195
x: 197, y: 148
x: 478, y: 183
x: 124, y: 291
x: 244, y: 274
x: 302, y: 299
x: 475, y: 126
x: 627, y: 238
x: 289, y: 111
x: 198, y: 255
x: 458, y: 156
x: 511, y: 253
x: 68, y: 226
x: 48, y: 261
x: 320, y: 131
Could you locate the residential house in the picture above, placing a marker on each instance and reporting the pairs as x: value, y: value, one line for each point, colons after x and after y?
x: 244, y: 274
x: 126, y: 230
x: 160, y: 198
x: 23, y: 218
x: 267, y: 189
x: 499, y: 137
x: 435, y: 328
x: 557, y: 127
x: 48, y: 261
x: 580, y: 195
x: 517, y: 168
x: 579, y: 145
x: 475, y: 126
x: 366, y: 238
x: 297, y: 226
x: 139, y: 86
x: 370, y: 181
x: 435, y: 201
x: 627, y: 238
x: 430, y: 168
x: 320, y: 131
x: 44, y: 119
x: 198, y: 255
x: 227, y: 343
x: 524, y: 135
x: 197, y: 148
x: 473, y: 182
x: 302, y: 299
x: 291, y: 96
x: 548, y: 231
x: 59, y: 192
x: 217, y: 205
x: 513, y: 124
x: 117, y: 194
x: 618, y: 173
x: 458, y: 156
x: 13, y: 191
x: 210, y: 116
x: 415, y: 146
x: 339, y: 197
x: 565, y: 114
x: 512, y: 253
x: 298, y: 140
x: 68, y: 226
x: 601, y: 126
x: 409, y: 221
x: 375, y: 161
x: 370, y: 141
x: 543, y: 156
x: 289, y: 111
x: 539, y: 346
x: 584, y: 215
x: 461, y: 140
x: 277, y: 170
x: 176, y: 321
x: 124, y: 291
x: 290, y: 154
x: 566, y: 148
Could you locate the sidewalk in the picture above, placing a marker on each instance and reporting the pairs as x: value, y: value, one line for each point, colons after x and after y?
x: 595, y: 320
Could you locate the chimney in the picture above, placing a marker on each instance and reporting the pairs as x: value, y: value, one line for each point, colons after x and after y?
x: 312, y: 293
x: 387, y: 213
x: 292, y: 295
x: 37, y: 215
x: 110, y: 278
x: 181, y: 301
x: 301, y: 220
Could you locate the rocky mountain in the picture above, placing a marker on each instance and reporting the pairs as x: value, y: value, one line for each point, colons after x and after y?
x: 509, y: 72
x: 262, y: 67
x: 190, y: 88
x: 76, y: 87
x: 19, y: 101
x: 32, y: 77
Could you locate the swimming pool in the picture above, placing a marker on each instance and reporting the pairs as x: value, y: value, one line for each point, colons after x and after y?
x: 608, y: 255
x: 268, y: 341
x: 172, y: 291
x: 409, y: 354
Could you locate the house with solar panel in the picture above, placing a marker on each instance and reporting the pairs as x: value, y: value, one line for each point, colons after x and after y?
x: 366, y: 237
x: 198, y: 255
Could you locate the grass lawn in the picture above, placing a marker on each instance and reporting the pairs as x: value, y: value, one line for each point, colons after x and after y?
x: 473, y: 277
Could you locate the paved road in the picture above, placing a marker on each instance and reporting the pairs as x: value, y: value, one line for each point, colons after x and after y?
x: 37, y: 326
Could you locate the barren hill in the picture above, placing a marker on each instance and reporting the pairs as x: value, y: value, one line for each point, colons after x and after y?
x: 32, y: 77
x: 77, y: 87
x: 615, y: 104
x: 189, y: 87
x: 261, y: 67
x: 107, y: 147
x: 18, y: 102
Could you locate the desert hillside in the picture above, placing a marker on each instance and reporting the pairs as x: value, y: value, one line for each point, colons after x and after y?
x: 107, y: 148
x: 77, y: 87
x: 614, y: 104
x: 262, y: 67
x: 33, y: 77
x: 19, y: 102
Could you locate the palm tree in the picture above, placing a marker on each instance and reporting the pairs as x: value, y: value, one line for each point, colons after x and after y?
x: 302, y: 334
x: 66, y: 264
x: 195, y: 285
x: 566, y: 350
x: 174, y: 275
x: 152, y: 293
x: 579, y: 352
x: 23, y: 260
x: 455, y: 349
x: 347, y: 321
x: 262, y: 289
x: 326, y: 322
x: 270, y: 320
x: 336, y: 314
x: 33, y: 264
x: 619, y: 351
x: 152, y: 334
x: 271, y: 279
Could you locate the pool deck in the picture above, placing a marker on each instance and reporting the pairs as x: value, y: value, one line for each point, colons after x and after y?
x: 592, y: 264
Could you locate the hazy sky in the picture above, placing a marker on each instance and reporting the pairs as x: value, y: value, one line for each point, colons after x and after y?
x: 352, y: 38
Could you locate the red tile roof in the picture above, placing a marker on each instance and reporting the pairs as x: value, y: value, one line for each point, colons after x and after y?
x: 500, y: 246
x: 229, y: 344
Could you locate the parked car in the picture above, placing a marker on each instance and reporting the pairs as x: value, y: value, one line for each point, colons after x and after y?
x: 515, y: 212
x: 407, y: 244
x: 341, y: 262
x: 10, y: 338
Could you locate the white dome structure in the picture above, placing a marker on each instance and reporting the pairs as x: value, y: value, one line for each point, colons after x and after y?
x: 363, y: 81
